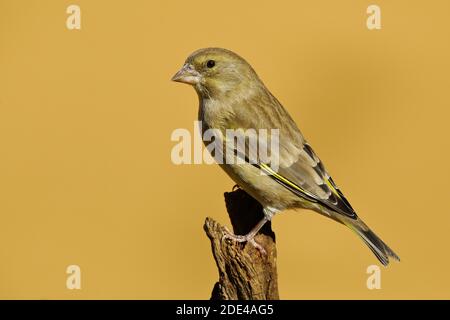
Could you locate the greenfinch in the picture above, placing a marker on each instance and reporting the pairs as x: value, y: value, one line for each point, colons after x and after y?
x: 232, y: 96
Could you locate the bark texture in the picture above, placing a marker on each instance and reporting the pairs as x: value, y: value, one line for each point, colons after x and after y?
x: 244, y: 273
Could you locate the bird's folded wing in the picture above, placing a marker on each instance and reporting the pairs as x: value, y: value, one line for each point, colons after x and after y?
x: 298, y: 169
x: 308, y: 178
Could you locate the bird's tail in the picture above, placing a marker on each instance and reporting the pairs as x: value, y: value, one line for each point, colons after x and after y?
x: 378, y: 247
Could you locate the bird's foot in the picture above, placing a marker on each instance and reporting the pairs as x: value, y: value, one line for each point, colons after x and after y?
x: 250, y: 238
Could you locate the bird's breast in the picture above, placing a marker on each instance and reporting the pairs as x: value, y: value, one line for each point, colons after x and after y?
x: 215, y: 114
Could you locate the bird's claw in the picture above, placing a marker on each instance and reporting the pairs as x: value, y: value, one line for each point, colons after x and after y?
x: 241, y: 238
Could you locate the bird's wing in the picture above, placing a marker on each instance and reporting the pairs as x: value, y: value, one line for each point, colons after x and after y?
x: 308, y: 178
x: 299, y: 168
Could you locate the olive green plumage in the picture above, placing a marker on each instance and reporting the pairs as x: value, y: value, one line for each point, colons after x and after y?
x: 232, y: 96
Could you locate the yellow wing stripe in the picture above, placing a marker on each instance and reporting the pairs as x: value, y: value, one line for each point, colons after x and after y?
x: 284, y: 180
x: 332, y: 188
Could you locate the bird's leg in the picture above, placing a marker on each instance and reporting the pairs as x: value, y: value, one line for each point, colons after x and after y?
x: 235, y: 187
x: 250, y: 237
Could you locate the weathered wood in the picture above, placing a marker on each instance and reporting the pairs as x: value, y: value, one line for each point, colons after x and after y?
x: 244, y: 272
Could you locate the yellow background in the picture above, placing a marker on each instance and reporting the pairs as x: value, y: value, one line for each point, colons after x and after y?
x: 86, y: 117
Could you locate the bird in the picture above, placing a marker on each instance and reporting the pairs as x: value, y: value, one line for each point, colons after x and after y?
x: 233, y: 97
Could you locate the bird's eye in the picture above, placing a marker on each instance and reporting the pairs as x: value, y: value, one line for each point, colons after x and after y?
x: 210, y: 64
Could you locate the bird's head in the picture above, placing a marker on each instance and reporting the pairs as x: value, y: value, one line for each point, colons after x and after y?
x: 216, y: 72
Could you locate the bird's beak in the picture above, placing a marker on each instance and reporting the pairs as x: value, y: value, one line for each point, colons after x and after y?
x: 187, y: 74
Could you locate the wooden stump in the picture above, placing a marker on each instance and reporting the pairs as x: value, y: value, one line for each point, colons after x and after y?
x: 244, y: 273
